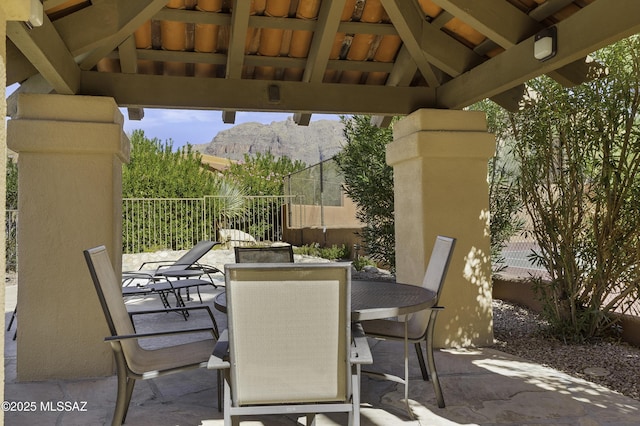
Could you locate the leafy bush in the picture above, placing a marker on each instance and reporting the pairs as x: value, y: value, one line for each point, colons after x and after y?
x: 579, y: 151
x: 360, y: 262
x: 369, y: 183
x: 332, y: 253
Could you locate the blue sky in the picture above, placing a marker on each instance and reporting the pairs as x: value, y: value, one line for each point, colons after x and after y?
x: 196, y: 126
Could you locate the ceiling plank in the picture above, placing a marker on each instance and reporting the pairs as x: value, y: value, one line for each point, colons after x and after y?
x: 506, y: 25
x: 498, y: 20
x: 404, y: 69
x: 548, y: 8
x: 87, y: 28
x: 517, y: 65
x: 322, y: 42
x: 222, y: 94
x: 128, y: 57
x: 320, y: 49
x: 410, y: 25
x: 131, y: 15
x: 239, y: 26
x: 257, y: 21
x: 257, y: 60
x: 46, y: 51
x: 129, y: 65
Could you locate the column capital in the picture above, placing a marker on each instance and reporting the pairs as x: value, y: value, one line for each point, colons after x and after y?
x: 52, y: 123
x: 440, y: 120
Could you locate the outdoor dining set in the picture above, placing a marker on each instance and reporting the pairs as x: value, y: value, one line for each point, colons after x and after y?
x: 296, y: 334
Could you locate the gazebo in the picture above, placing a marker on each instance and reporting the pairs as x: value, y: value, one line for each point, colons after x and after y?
x: 78, y: 61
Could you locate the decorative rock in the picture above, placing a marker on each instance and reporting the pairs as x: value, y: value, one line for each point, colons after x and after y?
x: 596, y: 371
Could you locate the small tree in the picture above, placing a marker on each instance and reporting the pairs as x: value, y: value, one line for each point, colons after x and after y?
x: 155, y: 170
x: 369, y: 183
x: 11, y: 225
x: 504, y: 197
x: 579, y: 150
x: 262, y: 174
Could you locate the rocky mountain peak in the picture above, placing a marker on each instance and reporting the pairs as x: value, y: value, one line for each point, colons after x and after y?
x: 318, y: 141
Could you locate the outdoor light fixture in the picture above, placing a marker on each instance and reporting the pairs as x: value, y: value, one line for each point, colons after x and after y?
x: 274, y: 94
x: 36, y: 16
x: 545, y: 44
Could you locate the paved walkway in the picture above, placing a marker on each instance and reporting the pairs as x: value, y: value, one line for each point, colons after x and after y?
x: 481, y: 387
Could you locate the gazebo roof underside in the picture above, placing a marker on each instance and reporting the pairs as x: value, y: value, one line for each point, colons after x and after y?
x: 377, y: 57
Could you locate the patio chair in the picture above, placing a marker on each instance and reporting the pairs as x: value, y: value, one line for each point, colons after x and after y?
x: 186, y: 272
x: 420, y: 326
x: 275, y: 254
x: 134, y: 362
x: 185, y: 266
x: 289, y: 348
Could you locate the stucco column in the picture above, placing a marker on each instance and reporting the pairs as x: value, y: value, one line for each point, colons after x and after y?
x: 70, y: 155
x: 9, y: 10
x: 440, y: 160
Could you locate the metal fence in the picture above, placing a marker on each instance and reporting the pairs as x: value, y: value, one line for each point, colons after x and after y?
x: 178, y: 223
x: 11, y: 239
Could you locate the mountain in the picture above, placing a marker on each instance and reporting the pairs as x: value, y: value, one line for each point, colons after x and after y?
x: 321, y: 139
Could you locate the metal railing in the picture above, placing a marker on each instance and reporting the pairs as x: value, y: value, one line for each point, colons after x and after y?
x: 178, y: 223
x: 11, y: 240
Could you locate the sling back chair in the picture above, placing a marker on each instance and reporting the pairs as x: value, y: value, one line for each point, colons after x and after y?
x: 170, y: 277
x: 134, y: 362
x: 289, y: 346
x: 187, y: 263
x: 275, y: 254
x: 420, y: 325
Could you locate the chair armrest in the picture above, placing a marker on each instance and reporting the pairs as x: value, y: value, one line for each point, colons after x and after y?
x: 165, y: 263
x: 157, y: 334
x: 218, y: 359
x: 181, y: 309
x: 207, y: 269
x: 360, y: 351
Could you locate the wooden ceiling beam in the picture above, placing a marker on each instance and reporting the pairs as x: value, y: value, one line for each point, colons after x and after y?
x: 235, y: 53
x: 404, y: 70
x: 320, y: 49
x: 131, y: 15
x: 46, y: 51
x: 427, y: 44
x: 129, y: 65
x: 498, y: 20
x: 517, y: 65
x: 506, y: 25
x: 410, y: 24
x: 222, y: 94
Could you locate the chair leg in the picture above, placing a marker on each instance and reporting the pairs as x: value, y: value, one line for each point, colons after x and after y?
x: 13, y: 317
x: 125, y: 388
x: 431, y: 361
x: 220, y: 390
x: 423, y: 367
x: 228, y: 421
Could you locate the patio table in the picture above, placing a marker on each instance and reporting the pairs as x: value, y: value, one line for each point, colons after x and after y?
x: 375, y: 299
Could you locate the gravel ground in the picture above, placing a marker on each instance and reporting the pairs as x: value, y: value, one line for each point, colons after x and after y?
x: 613, y: 364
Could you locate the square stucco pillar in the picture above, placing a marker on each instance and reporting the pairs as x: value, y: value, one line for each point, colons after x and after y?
x: 70, y: 155
x: 440, y: 160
